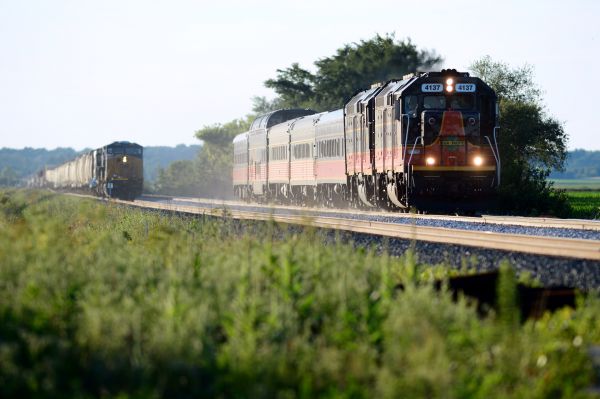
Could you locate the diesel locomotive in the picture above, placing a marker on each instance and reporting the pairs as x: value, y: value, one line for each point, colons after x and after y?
x: 428, y: 140
x: 115, y: 170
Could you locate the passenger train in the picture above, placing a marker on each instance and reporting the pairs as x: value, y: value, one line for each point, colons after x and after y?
x: 427, y: 141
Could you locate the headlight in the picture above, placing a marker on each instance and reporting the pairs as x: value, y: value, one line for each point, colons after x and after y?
x: 449, y: 81
x: 478, y: 161
x: 430, y: 161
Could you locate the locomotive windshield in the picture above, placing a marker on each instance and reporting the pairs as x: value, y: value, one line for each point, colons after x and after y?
x: 462, y: 101
x: 124, y: 150
x: 434, y: 102
x: 410, y: 104
x: 456, y: 101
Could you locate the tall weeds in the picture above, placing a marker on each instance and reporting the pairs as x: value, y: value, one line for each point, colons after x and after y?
x: 102, y: 300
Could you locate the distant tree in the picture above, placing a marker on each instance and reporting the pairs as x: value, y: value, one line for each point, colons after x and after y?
x: 180, y: 177
x: 295, y: 86
x: 260, y: 105
x: 8, y: 177
x: 160, y: 157
x: 531, y: 142
x: 354, y: 66
x: 580, y: 164
x: 214, y: 161
x: 27, y: 161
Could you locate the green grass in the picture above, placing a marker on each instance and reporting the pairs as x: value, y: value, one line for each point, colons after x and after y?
x: 584, y: 204
x: 104, y: 301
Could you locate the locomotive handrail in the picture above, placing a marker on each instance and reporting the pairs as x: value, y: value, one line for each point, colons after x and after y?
x: 498, y: 153
x: 412, y: 151
x: 496, y: 157
x: 406, y: 135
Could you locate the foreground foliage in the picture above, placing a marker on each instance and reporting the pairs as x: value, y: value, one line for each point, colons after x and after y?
x: 102, y: 300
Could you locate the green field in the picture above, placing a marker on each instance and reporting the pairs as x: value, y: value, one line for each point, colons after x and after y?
x: 98, y: 300
x: 584, y: 204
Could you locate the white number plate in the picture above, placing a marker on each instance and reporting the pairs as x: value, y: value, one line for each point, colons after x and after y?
x: 465, y: 87
x: 432, y: 87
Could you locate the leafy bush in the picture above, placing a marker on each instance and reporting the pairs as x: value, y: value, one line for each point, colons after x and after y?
x: 102, y: 300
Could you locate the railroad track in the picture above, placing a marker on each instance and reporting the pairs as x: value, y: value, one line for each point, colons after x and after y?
x: 575, y: 248
x: 542, y: 222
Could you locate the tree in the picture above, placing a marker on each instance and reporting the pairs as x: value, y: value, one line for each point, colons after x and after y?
x: 260, y: 105
x: 8, y: 177
x: 294, y: 85
x: 180, y: 177
x: 214, y: 161
x: 531, y: 142
x: 354, y: 66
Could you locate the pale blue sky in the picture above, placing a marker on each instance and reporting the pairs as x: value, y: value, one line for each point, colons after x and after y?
x: 82, y: 73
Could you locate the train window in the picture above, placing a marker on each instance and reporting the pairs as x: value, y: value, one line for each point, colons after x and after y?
x: 302, y: 151
x: 410, y: 104
x: 434, y: 102
x: 466, y: 101
x: 255, y: 124
x: 276, y: 119
x: 133, y: 151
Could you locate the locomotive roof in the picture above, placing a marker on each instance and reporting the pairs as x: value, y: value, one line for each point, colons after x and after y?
x: 415, y: 80
x: 361, y: 97
x: 123, y: 143
x: 240, y: 137
x: 279, y: 116
x: 410, y: 84
x: 331, y: 116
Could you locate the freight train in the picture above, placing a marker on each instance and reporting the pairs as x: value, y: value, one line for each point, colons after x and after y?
x: 115, y: 170
x: 428, y: 140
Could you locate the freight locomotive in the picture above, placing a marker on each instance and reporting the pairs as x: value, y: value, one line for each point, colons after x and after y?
x: 115, y: 170
x: 426, y: 141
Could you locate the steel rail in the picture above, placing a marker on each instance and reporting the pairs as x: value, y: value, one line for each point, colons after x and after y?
x: 541, y: 222
x: 539, y: 245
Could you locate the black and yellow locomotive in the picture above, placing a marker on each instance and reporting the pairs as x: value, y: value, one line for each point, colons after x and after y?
x: 115, y: 170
